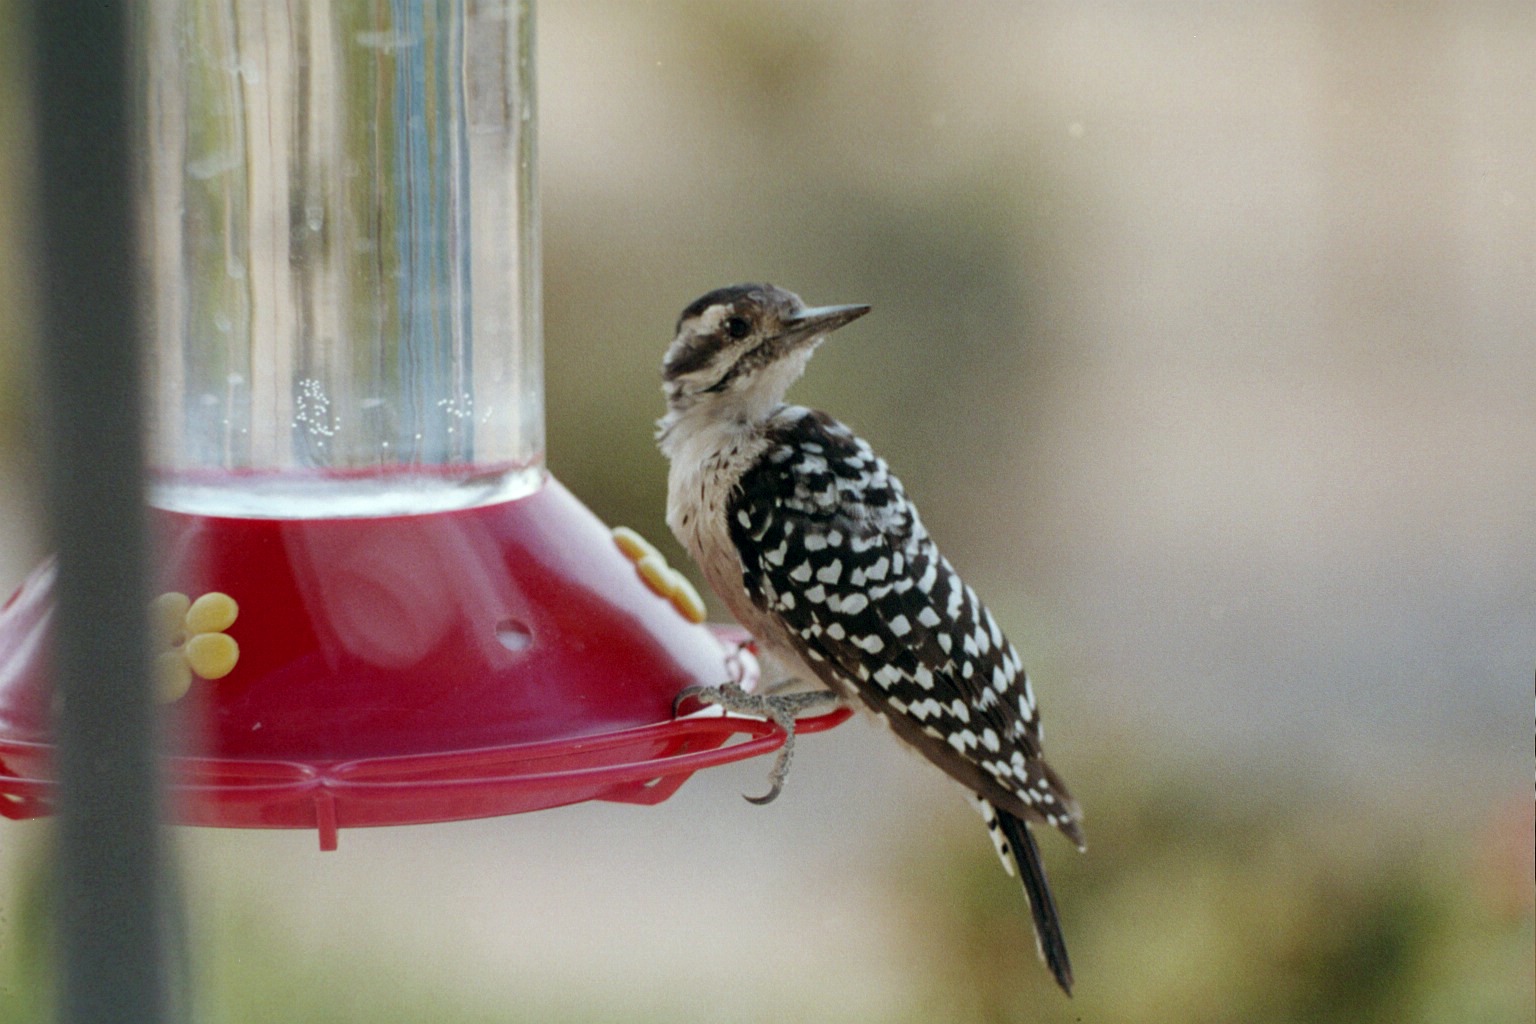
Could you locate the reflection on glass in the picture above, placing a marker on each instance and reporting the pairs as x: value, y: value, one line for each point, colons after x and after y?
x: 341, y: 234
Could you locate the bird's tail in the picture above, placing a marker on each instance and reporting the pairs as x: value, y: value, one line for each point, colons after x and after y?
x: 1015, y: 845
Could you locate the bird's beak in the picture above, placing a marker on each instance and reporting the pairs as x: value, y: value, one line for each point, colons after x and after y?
x: 819, y: 320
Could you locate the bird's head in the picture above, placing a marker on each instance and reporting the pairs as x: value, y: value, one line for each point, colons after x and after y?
x: 738, y: 349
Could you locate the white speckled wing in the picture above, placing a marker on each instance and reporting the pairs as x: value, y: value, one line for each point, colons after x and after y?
x: 835, y: 553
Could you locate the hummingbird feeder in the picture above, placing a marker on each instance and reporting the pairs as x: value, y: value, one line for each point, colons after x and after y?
x: 375, y: 606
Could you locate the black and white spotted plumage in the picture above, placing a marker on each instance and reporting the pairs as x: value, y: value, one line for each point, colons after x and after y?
x: 810, y: 539
x: 830, y: 545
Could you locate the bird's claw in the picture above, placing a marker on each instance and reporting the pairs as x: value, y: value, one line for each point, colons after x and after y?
x: 780, y: 709
x: 768, y: 797
x: 692, y: 693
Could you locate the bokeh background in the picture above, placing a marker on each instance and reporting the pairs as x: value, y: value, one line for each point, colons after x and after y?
x: 1205, y: 338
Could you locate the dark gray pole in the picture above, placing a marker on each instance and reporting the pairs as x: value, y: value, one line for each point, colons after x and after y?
x: 108, y: 867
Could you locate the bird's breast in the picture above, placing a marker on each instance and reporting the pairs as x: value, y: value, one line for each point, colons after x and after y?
x: 705, y: 473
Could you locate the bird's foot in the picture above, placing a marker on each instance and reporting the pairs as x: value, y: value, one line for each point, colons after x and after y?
x: 779, y: 708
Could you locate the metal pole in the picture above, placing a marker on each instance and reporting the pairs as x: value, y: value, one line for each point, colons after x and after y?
x: 109, y: 880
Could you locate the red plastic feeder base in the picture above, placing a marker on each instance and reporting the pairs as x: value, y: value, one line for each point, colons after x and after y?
x: 337, y: 673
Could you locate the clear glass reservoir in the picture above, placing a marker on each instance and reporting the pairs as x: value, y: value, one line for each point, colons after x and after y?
x: 340, y: 229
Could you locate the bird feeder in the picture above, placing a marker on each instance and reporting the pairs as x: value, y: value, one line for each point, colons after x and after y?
x: 375, y: 606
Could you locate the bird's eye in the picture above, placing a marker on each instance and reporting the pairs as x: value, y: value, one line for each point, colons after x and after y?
x: 737, y: 327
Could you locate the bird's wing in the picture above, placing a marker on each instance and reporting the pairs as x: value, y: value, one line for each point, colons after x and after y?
x: 832, y: 548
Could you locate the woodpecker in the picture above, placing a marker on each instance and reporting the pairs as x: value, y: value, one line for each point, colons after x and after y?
x: 811, y: 542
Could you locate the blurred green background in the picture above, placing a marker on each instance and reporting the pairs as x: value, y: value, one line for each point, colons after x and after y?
x: 1204, y: 336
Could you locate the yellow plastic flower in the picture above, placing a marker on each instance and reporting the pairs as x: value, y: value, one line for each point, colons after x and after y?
x: 658, y: 575
x: 191, y: 639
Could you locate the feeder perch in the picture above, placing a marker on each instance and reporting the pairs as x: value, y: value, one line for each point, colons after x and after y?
x: 375, y: 606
